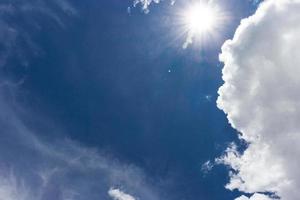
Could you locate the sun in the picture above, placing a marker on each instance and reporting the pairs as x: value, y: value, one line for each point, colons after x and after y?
x: 201, y: 21
x: 200, y: 18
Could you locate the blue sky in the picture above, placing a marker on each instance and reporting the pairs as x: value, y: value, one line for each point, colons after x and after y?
x: 101, y: 103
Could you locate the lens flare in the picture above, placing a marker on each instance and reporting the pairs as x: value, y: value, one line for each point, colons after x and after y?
x: 200, y: 18
x: 202, y: 21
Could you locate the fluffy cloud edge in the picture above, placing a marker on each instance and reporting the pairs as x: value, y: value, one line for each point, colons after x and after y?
x: 260, y: 99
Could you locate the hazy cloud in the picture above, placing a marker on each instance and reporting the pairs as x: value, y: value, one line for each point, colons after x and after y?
x: 33, y: 168
x: 16, y: 42
x: 37, y: 160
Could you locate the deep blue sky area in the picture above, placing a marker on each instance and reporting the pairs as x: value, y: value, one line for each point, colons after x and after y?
x: 122, y: 83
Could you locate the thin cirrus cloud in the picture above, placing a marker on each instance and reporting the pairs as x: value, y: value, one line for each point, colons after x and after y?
x: 14, y: 32
x: 35, y: 168
x: 36, y: 161
x: 261, y: 99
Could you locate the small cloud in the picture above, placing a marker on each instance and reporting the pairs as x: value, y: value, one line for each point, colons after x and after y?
x: 129, y: 10
x: 208, y: 97
x: 144, y: 4
x: 207, y: 167
x: 117, y: 194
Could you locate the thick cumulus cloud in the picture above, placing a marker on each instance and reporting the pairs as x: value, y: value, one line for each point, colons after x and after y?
x: 261, y: 99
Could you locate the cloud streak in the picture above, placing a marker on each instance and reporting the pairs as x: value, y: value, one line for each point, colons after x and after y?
x: 37, y: 160
x: 17, y: 43
x: 33, y: 168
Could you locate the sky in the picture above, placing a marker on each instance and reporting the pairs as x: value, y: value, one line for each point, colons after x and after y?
x: 118, y: 100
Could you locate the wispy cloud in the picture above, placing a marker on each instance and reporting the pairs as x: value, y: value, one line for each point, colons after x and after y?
x: 16, y: 41
x: 42, y: 163
x: 11, y: 188
x: 33, y: 168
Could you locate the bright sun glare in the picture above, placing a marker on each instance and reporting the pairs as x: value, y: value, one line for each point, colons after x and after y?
x: 200, y: 18
x: 202, y: 21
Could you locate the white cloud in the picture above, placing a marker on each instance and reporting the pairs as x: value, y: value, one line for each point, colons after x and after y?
x: 261, y: 99
x: 207, y: 167
x: 254, y: 197
x: 146, y: 3
x: 118, y: 194
x: 11, y: 188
